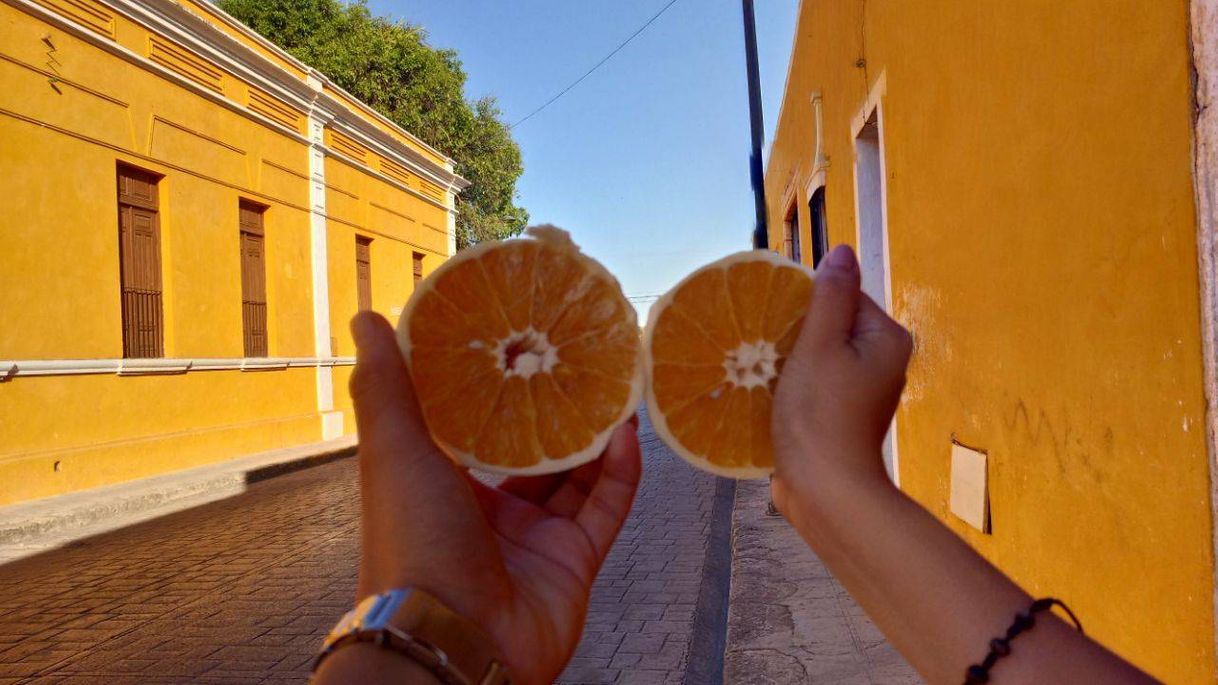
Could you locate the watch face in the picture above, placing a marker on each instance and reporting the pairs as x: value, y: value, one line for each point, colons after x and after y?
x: 352, y: 621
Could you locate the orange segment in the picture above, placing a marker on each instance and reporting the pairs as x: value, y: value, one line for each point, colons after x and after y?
x: 675, y: 385
x: 509, y: 437
x: 466, y: 287
x: 596, y: 394
x: 704, y: 299
x: 560, y: 427
x: 695, y: 425
x: 460, y: 414
x: 678, y: 337
x: 749, y: 300
x: 510, y: 275
x: 714, y: 348
x: 524, y: 354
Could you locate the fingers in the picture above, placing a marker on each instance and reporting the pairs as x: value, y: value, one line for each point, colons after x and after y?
x: 380, y: 385
x: 835, y: 304
x: 880, y: 338
x: 535, y: 489
x: 608, y: 503
x: 387, y: 414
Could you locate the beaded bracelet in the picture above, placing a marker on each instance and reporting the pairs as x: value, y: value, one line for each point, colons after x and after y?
x: 1001, y: 646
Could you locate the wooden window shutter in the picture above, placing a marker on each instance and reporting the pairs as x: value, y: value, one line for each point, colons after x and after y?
x: 253, y: 279
x: 363, y: 271
x: 790, y: 243
x: 418, y: 267
x: 139, y: 249
x: 820, y: 227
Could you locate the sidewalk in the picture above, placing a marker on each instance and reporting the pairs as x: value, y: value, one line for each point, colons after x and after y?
x: 32, y: 527
x: 789, y: 621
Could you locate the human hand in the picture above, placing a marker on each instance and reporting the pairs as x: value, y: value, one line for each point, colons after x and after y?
x: 518, y: 559
x: 838, y: 389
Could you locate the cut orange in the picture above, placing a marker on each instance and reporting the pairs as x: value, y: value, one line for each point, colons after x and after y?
x: 715, y: 345
x: 525, y: 354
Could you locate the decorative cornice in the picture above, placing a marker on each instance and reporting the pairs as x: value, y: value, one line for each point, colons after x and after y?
x: 193, y: 32
x: 146, y: 367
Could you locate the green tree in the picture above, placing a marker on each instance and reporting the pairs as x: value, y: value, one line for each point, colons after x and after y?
x: 388, y: 64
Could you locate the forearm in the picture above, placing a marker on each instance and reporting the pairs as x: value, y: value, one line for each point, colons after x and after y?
x: 935, y: 598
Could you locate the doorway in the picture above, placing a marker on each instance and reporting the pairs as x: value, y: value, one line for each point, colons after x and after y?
x: 873, y: 236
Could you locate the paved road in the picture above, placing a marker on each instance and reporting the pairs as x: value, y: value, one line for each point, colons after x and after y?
x: 241, y: 590
x: 789, y: 620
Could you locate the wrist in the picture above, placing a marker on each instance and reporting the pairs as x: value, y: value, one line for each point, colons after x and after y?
x: 366, y: 662
x: 824, y: 489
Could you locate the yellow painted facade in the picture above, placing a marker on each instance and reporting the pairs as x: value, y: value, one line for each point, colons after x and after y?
x: 1041, y: 245
x: 221, y: 115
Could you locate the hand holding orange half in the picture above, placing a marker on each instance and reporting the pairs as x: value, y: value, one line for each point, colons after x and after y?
x: 715, y: 345
x: 525, y: 354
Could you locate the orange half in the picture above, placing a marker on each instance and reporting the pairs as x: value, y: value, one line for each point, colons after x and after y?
x: 525, y: 354
x: 715, y: 345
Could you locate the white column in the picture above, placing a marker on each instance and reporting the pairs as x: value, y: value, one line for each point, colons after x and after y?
x: 452, y: 222
x: 331, y: 420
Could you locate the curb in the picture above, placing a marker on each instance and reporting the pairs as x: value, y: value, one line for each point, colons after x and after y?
x: 708, y: 634
x: 21, y: 523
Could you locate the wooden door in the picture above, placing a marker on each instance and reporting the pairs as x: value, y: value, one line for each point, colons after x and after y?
x: 253, y: 280
x: 140, y: 263
x: 363, y: 272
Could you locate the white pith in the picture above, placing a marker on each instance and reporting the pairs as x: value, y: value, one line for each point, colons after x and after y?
x: 540, y: 357
x: 653, y: 409
x: 544, y: 362
x: 751, y: 364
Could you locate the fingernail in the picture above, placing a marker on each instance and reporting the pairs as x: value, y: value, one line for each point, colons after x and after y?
x: 842, y: 257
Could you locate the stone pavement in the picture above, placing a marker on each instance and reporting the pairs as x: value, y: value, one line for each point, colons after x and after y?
x: 241, y: 590
x: 789, y: 620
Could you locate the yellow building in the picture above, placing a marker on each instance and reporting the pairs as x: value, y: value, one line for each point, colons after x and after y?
x: 191, y: 218
x: 1018, y: 179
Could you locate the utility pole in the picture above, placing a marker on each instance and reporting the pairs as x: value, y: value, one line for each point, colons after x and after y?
x: 761, y: 236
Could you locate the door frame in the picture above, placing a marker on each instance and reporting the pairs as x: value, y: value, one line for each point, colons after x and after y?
x: 1204, y: 33
x: 874, y: 105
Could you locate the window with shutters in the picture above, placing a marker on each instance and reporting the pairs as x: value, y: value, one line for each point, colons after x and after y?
x: 253, y: 278
x: 139, y: 249
x: 363, y: 271
x: 790, y: 243
x: 418, y: 267
x: 820, y: 226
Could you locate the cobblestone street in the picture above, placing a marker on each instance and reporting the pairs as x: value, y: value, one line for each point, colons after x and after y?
x: 241, y: 590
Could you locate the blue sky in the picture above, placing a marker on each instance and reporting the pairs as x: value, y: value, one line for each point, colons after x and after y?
x: 646, y: 161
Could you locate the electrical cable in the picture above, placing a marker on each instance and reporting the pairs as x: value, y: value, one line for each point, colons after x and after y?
x: 598, y: 65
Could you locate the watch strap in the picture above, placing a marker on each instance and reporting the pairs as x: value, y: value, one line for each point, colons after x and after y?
x: 460, y: 641
x: 419, y: 626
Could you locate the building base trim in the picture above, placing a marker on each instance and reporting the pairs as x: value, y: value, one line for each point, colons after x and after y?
x: 144, y: 367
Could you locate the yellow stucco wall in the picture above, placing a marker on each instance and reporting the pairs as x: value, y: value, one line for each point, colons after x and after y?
x: 62, y: 133
x: 1041, y: 234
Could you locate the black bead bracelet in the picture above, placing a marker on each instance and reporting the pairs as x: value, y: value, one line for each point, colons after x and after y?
x: 1001, y: 646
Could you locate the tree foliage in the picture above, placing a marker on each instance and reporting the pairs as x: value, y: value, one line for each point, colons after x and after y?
x: 388, y: 64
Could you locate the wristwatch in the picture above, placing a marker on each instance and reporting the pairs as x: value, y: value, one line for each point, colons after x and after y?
x: 420, y: 627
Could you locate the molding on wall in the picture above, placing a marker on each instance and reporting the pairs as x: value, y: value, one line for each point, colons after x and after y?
x: 384, y: 178
x: 10, y: 369
x: 319, y: 252
x: 175, y: 21
x: 1204, y: 29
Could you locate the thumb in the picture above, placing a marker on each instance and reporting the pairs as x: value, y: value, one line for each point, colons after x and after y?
x: 380, y: 385
x: 835, y: 301
x: 387, y: 413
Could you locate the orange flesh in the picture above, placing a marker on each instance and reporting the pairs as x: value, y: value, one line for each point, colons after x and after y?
x: 477, y: 335
x: 707, y: 320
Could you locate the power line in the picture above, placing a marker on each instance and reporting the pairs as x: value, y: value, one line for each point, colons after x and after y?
x: 598, y: 65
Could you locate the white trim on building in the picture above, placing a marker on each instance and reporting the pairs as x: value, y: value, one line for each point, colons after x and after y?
x: 10, y: 369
